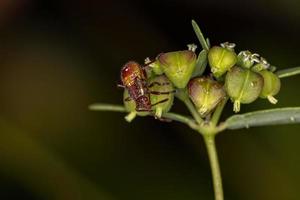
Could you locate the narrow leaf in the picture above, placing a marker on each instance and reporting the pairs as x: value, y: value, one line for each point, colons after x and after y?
x: 264, y: 117
x: 208, y: 42
x: 288, y: 72
x: 200, y: 63
x: 200, y: 35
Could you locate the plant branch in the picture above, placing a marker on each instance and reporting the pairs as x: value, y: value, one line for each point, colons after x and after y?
x: 107, y: 107
x: 218, y: 112
x: 193, y: 111
x: 288, y: 72
x: 183, y: 96
x: 214, y: 165
x: 119, y: 108
x: 180, y: 118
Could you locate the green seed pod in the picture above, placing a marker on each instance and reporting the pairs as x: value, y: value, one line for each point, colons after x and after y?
x: 161, y: 94
x: 178, y: 66
x: 243, y: 86
x: 221, y: 60
x: 271, y: 86
x: 244, y: 59
x: 130, y: 107
x: 206, y: 94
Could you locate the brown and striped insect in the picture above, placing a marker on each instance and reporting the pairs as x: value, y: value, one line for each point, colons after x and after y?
x: 134, y: 79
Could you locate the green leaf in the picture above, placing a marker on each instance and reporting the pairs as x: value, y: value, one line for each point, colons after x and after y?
x: 208, y: 42
x: 264, y: 117
x: 200, y: 63
x: 200, y: 35
x: 288, y: 72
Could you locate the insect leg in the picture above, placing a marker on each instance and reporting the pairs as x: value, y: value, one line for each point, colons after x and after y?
x: 143, y: 110
x: 159, y: 93
x: 128, y: 99
x: 159, y: 102
x: 158, y: 83
x: 120, y: 86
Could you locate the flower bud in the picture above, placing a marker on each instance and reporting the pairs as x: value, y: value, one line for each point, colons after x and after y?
x: 258, y: 67
x: 243, y: 86
x: 261, y: 65
x: 155, y: 66
x: 178, y: 66
x: 130, y: 107
x: 205, y: 93
x: 244, y: 59
x: 161, y: 94
x: 271, y: 86
x: 221, y: 60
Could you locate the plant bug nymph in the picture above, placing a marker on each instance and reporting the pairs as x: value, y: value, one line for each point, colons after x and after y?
x: 134, y: 79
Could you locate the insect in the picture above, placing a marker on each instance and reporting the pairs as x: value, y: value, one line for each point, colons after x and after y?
x: 134, y: 79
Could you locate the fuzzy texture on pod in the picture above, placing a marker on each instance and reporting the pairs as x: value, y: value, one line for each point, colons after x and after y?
x: 206, y: 94
x: 271, y: 86
x: 243, y: 86
x: 221, y: 60
x: 178, y: 66
x: 161, y: 94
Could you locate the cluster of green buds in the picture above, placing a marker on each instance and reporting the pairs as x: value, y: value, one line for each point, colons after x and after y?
x: 243, y: 77
x: 247, y: 76
x: 253, y: 77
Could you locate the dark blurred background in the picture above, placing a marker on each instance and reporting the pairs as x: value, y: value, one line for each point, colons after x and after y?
x: 57, y: 57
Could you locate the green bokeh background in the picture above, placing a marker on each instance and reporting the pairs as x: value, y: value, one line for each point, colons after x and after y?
x: 57, y: 57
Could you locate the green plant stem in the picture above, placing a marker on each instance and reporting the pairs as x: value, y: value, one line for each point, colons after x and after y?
x: 217, y: 114
x: 180, y: 118
x: 288, y: 72
x: 119, y: 108
x: 214, y: 165
x: 208, y: 131
x: 107, y: 107
x: 193, y: 111
x: 184, y: 97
